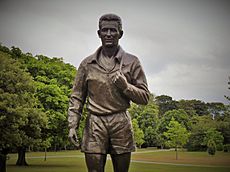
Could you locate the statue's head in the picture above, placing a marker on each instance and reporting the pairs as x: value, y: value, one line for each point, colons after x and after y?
x: 110, y: 29
x: 110, y: 17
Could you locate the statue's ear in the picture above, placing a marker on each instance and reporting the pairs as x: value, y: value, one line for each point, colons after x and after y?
x: 99, y: 33
x: 121, y: 34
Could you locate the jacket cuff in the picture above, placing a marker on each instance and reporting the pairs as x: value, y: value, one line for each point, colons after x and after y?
x: 74, y: 120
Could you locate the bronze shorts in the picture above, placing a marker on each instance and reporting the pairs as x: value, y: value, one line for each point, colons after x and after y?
x: 108, y: 134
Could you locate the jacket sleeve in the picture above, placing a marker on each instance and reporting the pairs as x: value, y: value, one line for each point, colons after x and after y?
x: 77, y: 98
x: 137, y: 91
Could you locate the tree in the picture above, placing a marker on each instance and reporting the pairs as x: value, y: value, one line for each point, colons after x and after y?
x: 179, y: 115
x: 20, y: 121
x: 216, y: 109
x: 215, y: 136
x: 138, y: 133
x: 227, y: 97
x: 176, y: 134
x: 193, y: 107
x: 187, y: 106
x: 211, y: 147
x: 223, y: 125
x: 200, y: 124
x: 165, y: 104
x: 53, y: 81
x: 200, y: 107
x: 147, y: 118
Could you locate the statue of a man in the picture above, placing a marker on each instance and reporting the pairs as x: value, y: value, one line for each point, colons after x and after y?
x: 109, y: 79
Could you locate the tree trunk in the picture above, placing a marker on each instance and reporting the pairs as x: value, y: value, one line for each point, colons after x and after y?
x: 176, y: 154
x: 3, y: 154
x: 45, y: 154
x: 21, y: 156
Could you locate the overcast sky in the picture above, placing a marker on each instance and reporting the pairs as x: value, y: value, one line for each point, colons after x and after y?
x: 183, y: 45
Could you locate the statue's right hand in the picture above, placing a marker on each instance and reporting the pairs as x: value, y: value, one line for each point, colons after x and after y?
x: 73, y: 137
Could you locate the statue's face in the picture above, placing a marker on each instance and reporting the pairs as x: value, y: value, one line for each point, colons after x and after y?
x: 109, y: 33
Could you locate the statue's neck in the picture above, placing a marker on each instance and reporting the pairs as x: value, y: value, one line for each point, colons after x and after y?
x: 109, y: 51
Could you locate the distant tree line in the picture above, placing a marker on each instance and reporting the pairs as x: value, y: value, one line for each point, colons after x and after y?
x: 34, y: 93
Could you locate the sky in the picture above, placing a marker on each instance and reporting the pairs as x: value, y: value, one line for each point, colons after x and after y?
x: 183, y: 45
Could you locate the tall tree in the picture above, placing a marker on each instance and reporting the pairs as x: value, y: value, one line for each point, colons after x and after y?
x: 199, y: 127
x: 200, y: 107
x: 53, y: 80
x: 176, y: 134
x: 165, y: 104
x: 20, y: 121
x: 179, y: 115
x: 187, y: 106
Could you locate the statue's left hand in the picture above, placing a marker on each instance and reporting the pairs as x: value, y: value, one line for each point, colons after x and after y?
x: 73, y: 137
x: 120, y: 80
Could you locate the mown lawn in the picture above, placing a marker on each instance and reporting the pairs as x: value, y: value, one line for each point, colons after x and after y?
x: 145, y: 160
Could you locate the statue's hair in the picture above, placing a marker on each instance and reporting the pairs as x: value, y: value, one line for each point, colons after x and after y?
x: 110, y: 17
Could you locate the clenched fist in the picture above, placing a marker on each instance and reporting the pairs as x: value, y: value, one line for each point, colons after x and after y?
x: 120, y: 80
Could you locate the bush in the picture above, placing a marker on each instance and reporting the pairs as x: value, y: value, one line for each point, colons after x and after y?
x: 227, y: 148
x: 219, y: 147
x: 211, y: 147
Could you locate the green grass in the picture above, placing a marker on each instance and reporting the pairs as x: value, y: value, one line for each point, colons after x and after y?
x: 143, y: 161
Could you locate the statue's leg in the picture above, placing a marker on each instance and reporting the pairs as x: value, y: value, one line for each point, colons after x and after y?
x: 121, y: 162
x: 95, y: 162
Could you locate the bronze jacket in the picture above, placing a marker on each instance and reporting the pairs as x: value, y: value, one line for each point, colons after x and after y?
x: 103, y: 97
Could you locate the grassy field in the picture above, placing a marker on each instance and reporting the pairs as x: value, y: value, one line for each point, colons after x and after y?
x: 145, y: 160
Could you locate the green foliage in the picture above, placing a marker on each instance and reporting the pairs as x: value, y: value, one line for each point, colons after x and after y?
x: 187, y: 106
x: 176, y: 134
x: 35, y: 108
x: 51, y: 83
x: 226, y: 148
x: 200, y: 124
x: 165, y: 104
x: 193, y: 107
x: 200, y: 107
x: 179, y: 115
x: 20, y: 121
x: 138, y: 133
x: 211, y: 147
x: 223, y: 125
x: 215, y: 136
x: 147, y: 118
x: 216, y: 110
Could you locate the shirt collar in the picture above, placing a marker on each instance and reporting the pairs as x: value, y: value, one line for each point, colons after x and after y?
x: 118, y: 56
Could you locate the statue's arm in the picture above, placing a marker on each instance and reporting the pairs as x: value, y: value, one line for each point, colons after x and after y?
x: 76, y: 102
x: 137, y: 91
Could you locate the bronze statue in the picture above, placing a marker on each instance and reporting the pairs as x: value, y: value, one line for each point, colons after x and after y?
x: 109, y: 79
